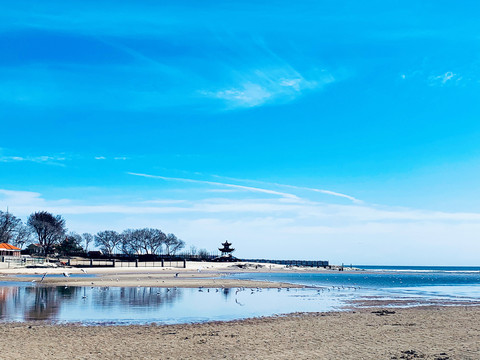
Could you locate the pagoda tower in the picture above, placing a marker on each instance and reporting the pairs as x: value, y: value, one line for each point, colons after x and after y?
x: 226, y: 249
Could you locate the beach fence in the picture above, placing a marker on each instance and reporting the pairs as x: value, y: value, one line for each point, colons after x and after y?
x: 307, y: 263
x: 124, y: 263
x: 15, y: 261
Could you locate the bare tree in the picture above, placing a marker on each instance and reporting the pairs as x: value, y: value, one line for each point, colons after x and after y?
x: 193, y: 250
x: 173, y: 244
x: 108, y: 241
x: 142, y: 241
x: 151, y: 240
x: 129, y: 242
x: 49, y: 229
x: 22, y: 237
x: 12, y: 229
x: 203, y: 254
x: 87, y: 239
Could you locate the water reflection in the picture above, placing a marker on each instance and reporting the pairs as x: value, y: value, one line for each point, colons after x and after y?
x: 226, y: 293
x: 7, y: 293
x: 45, y: 303
x: 141, y: 305
x: 27, y: 303
x: 134, y: 305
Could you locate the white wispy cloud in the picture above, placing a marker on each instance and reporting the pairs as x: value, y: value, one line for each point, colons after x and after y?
x: 239, y: 187
x: 322, y: 191
x: 443, y: 79
x: 259, y: 87
x: 20, y: 198
x: 43, y: 159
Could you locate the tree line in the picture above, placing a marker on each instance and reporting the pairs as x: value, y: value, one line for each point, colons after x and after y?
x: 53, y: 237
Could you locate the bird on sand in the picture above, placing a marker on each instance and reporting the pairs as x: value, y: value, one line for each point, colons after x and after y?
x: 84, y: 271
x: 66, y: 274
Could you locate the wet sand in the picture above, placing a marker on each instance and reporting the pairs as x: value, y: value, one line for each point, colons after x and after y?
x: 197, y: 274
x: 415, y: 333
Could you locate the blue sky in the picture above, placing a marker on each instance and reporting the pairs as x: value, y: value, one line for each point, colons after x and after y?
x: 337, y: 130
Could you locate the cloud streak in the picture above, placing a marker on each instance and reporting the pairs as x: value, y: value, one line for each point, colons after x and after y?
x: 44, y: 159
x: 267, y: 79
x: 322, y: 191
x: 233, y: 186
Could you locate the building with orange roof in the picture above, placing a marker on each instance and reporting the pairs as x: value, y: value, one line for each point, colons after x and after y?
x: 9, y: 250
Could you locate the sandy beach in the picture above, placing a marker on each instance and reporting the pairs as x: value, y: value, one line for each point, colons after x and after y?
x: 196, y: 274
x: 440, y: 332
x: 416, y: 333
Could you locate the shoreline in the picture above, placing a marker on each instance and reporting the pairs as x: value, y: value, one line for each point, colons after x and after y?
x: 432, y: 332
x: 197, y: 274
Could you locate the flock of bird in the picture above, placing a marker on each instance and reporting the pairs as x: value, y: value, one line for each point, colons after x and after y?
x: 65, y: 274
x: 237, y: 291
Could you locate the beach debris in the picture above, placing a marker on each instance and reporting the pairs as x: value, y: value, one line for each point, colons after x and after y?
x: 383, y: 312
x: 43, y: 277
x: 409, y: 355
x: 83, y: 270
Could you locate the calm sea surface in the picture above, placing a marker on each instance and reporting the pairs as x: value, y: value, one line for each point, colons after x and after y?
x: 20, y: 301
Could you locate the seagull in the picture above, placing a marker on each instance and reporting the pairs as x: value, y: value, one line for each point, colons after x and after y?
x: 84, y: 271
x: 66, y: 274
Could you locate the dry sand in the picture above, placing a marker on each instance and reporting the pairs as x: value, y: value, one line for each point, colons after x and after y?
x: 416, y: 333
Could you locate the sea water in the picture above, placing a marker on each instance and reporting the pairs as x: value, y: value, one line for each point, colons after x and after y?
x: 329, y: 291
x: 422, y: 282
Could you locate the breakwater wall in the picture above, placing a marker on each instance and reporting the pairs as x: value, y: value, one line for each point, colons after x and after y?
x: 308, y: 263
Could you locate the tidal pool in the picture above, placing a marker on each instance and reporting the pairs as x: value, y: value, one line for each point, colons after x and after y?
x: 142, y: 305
